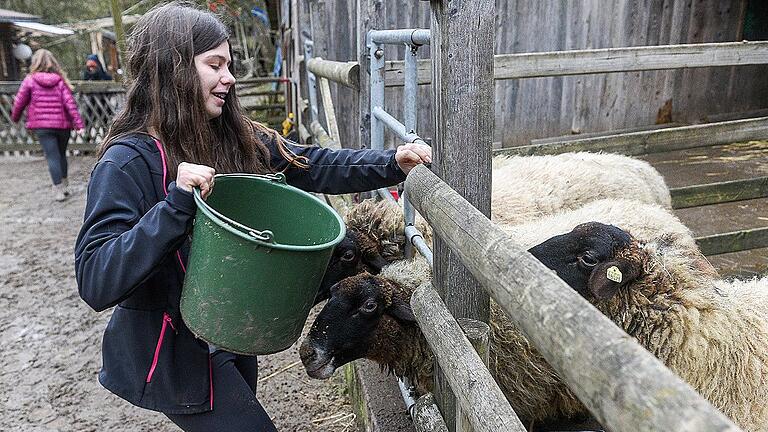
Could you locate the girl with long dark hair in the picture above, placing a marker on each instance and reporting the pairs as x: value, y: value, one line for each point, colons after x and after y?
x: 182, y: 121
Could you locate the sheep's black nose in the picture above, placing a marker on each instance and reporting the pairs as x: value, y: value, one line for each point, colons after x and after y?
x: 307, y: 353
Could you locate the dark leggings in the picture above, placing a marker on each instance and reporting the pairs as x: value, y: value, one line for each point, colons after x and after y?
x: 54, y: 142
x: 235, y: 408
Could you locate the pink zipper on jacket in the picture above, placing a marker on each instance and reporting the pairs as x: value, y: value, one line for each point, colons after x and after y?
x: 184, y: 269
x: 166, y: 322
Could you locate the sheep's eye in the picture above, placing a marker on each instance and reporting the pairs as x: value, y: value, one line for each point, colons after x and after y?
x: 369, y: 307
x: 348, y: 256
x: 588, y: 260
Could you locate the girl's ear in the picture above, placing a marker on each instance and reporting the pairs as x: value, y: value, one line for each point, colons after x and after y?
x: 608, y: 277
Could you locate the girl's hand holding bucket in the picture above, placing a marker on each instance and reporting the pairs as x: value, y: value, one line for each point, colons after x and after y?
x: 190, y: 176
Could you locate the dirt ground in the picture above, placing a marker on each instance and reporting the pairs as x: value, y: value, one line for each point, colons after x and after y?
x: 51, y: 339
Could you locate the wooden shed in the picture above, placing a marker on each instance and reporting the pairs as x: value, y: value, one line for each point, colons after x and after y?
x: 535, y: 108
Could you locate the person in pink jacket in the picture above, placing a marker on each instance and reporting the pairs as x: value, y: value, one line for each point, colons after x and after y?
x: 52, y: 114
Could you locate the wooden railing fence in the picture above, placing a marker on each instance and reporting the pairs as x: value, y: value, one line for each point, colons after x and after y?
x: 97, y: 103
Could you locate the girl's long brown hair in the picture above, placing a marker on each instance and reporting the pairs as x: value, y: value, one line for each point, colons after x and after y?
x: 165, y: 94
x: 44, y: 61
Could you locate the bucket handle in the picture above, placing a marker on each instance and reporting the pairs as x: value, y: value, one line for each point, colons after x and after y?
x: 265, y: 236
x: 275, y: 177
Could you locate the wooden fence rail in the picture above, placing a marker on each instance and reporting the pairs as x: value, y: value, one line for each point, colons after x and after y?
x: 98, y: 102
x: 346, y: 73
x: 654, y: 141
x: 624, y: 386
x: 480, y: 397
x: 606, y: 60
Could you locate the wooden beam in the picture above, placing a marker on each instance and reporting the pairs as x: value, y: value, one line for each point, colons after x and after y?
x: 479, y: 335
x: 35, y: 148
x: 78, y: 87
x: 715, y: 193
x: 371, y: 15
x: 461, y: 47
x: 654, y: 141
x: 117, y: 18
x: 735, y: 241
x: 481, y: 398
x: 426, y: 415
x: 621, y: 383
x: 321, y: 136
x: 329, y: 110
x: 630, y: 59
x: 344, y: 73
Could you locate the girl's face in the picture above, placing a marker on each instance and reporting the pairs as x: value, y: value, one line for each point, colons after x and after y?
x: 213, y: 69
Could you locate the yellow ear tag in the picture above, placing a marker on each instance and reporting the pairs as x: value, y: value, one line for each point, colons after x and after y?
x: 614, y: 274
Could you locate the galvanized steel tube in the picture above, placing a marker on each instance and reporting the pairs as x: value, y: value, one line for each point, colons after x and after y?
x: 414, y: 236
x: 377, y: 93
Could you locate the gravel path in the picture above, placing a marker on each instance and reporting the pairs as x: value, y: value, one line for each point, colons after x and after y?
x: 51, y: 339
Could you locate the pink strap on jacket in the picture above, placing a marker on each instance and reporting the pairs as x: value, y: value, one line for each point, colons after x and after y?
x: 184, y: 269
x: 165, y: 190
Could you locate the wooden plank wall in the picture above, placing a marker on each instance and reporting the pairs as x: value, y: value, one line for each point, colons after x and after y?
x: 343, y: 45
x: 545, y: 107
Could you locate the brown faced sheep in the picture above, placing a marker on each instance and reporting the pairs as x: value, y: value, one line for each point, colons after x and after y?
x: 524, y: 188
x: 712, y: 333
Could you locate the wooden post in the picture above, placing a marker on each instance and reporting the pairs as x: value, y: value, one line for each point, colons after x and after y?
x: 479, y: 334
x: 370, y: 16
x: 117, y: 17
x: 463, y: 97
x: 329, y: 111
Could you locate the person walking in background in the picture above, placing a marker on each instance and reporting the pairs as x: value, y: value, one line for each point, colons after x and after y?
x: 94, y: 71
x: 51, y: 116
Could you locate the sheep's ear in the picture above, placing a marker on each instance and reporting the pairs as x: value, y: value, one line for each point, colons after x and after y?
x: 376, y: 262
x: 608, y: 277
x: 401, y: 310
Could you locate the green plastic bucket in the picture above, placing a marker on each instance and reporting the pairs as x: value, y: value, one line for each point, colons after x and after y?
x: 259, y: 251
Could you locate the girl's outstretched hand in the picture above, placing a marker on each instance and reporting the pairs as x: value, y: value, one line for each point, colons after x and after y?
x: 410, y: 155
x: 190, y: 175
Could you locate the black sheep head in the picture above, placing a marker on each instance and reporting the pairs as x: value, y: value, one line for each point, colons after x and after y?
x: 595, y: 259
x: 361, y: 314
x: 355, y: 254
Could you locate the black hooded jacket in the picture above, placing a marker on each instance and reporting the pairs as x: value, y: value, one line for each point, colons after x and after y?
x: 131, y: 249
x: 99, y: 74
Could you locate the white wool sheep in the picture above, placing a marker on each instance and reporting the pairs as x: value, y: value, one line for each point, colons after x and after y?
x: 712, y: 333
x: 533, y: 388
x: 527, y: 187
x: 524, y: 188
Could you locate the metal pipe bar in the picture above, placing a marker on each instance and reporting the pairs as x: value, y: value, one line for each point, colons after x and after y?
x: 411, y: 89
x: 409, y: 213
x: 414, y: 37
x: 389, y: 121
x: 408, y: 391
x: 377, y: 92
x: 314, y: 111
x: 385, y: 194
x: 393, y: 124
x: 414, y: 236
